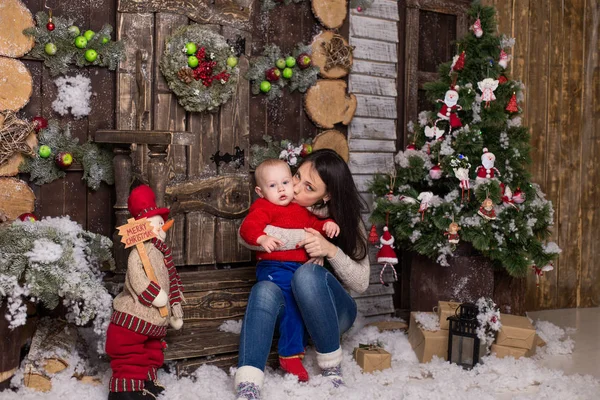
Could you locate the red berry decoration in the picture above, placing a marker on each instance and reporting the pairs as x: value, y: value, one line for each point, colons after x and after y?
x: 273, y: 74
x: 303, y: 61
x: 28, y: 217
x: 64, y: 159
x: 411, y: 147
x: 50, y: 26
x: 39, y: 123
x: 502, y: 79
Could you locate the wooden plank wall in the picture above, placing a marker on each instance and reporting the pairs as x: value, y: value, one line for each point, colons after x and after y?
x: 71, y: 196
x: 556, y: 56
x: 372, y: 133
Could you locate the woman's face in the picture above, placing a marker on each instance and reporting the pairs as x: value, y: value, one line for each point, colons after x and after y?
x: 309, y: 188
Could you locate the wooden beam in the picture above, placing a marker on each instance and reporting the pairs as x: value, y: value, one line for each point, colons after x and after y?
x: 144, y: 137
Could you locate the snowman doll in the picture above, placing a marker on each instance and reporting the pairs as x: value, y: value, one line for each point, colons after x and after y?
x: 450, y: 108
x: 487, y: 170
x: 135, y: 337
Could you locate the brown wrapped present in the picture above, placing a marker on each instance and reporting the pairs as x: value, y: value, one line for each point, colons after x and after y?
x: 427, y: 344
x: 372, y: 358
x: 504, y: 351
x: 516, y: 332
x: 446, y: 309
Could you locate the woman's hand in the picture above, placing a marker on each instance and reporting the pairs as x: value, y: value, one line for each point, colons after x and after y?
x: 316, y: 245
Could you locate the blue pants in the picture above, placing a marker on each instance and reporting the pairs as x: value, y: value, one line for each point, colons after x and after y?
x: 291, y: 327
x: 325, y: 306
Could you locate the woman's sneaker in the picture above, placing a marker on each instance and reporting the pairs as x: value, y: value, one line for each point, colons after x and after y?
x: 335, y: 374
x: 248, y: 391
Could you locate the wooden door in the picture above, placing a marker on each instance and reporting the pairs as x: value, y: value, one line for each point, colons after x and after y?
x: 430, y: 30
x: 208, y: 201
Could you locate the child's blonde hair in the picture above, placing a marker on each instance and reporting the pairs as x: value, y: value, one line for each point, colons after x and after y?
x: 269, y: 162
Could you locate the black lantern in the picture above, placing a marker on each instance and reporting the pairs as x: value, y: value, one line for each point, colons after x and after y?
x: 464, y: 347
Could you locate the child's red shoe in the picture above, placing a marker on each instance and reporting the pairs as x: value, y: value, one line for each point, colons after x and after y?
x: 293, y: 365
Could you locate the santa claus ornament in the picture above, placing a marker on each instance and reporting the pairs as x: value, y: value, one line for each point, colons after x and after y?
x: 487, y: 209
x: 476, y: 28
x: 452, y: 233
x: 539, y: 272
x: 487, y: 87
x: 504, y: 59
x: 386, y: 255
x: 450, y: 108
x: 487, y: 170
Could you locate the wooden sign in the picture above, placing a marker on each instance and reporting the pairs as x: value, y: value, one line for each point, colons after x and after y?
x: 135, y: 233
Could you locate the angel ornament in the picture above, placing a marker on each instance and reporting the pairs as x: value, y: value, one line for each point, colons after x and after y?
x: 487, y: 87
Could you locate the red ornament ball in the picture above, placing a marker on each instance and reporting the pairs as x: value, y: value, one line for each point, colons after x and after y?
x: 359, y: 9
x: 50, y: 26
x: 28, y: 217
x: 411, y: 147
x: 39, y: 123
x: 435, y: 172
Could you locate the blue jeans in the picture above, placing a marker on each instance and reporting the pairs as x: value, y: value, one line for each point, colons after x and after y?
x: 326, y: 308
x: 291, y: 327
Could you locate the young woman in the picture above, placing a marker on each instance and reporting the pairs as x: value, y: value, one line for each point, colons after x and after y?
x: 324, y: 183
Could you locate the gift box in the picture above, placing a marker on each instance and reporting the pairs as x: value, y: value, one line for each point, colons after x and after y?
x: 427, y: 344
x: 372, y: 358
x: 516, y: 332
x: 505, y: 351
x: 446, y: 309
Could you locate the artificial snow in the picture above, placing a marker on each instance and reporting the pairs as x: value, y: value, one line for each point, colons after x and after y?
x: 522, y: 379
x: 428, y: 321
x: 74, y: 93
x: 231, y: 326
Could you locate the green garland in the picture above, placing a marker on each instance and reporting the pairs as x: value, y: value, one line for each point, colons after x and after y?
x: 109, y: 52
x: 96, y: 160
x: 195, y: 96
x: 52, y: 261
x: 301, y: 79
x: 285, y: 150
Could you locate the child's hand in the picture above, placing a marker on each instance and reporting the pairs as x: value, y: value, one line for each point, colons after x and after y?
x: 269, y: 243
x: 331, y: 229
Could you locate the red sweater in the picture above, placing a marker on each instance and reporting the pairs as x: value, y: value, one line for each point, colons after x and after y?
x: 263, y: 213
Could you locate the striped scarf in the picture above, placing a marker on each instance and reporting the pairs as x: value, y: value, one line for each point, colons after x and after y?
x: 175, y: 286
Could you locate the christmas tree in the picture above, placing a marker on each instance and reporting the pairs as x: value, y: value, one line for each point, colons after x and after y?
x: 467, y: 164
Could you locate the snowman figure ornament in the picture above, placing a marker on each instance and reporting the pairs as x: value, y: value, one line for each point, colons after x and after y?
x: 449, y: 110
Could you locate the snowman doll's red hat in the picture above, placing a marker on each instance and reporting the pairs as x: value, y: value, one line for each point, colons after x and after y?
x: 142, y: 204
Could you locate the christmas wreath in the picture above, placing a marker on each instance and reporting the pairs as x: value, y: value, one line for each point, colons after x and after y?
x: 200, y: 68
x: 60, y: 43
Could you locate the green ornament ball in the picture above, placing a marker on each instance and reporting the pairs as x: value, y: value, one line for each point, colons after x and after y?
x: 191, y: 48
x: 232, y: 61
x: 105, y: 39
x: 192, y: 61
x: 50, y: 49
x: 290, y: 62
x: 89, y: 34
x: 81, y: 42
x: 280, y: 63
x: 74, y: 30
x: 287, y: 73
x: 91, y: 55
x: 265, y: 86
x: 44, y: 151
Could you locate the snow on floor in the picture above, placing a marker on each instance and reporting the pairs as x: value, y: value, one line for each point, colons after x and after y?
x: 407, y: 379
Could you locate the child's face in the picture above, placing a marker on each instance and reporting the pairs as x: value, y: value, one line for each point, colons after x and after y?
x: 275, y: 185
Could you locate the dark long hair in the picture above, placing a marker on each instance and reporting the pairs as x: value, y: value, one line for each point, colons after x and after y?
x: 345, y: 204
